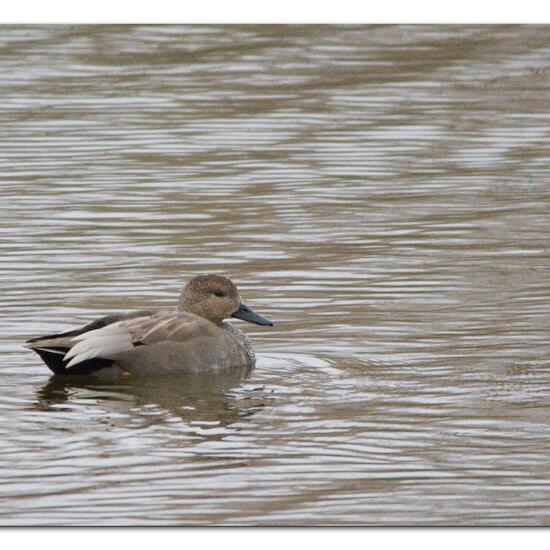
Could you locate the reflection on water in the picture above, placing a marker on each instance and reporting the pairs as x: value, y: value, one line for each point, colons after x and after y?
x: 195, y: 399
x: 380, y: 192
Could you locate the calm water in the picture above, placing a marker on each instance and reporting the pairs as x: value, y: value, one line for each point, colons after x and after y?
x: 381, y: 193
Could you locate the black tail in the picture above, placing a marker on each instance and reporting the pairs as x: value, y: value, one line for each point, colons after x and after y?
x: 53, y: 357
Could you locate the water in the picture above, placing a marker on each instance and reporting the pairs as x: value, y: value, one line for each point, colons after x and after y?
x: 381, y: 193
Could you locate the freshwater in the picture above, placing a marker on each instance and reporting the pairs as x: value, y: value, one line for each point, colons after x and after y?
x: 380, y: 192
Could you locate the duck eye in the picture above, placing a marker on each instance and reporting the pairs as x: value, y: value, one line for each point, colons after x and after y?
x: 219, y: 293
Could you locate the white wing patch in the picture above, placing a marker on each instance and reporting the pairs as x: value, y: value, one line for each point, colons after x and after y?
x: 103, y: 342
x: 107, y: 342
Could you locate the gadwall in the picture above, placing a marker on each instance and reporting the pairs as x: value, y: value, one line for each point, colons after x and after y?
x: 192, y: 338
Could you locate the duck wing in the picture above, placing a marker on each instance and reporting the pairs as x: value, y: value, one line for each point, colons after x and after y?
x: 53, y: 347
x: 115, y: 338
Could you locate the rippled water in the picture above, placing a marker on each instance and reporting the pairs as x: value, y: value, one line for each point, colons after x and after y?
x: 381, y: 193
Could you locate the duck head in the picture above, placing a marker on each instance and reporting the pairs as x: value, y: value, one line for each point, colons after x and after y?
x: 216, y: 298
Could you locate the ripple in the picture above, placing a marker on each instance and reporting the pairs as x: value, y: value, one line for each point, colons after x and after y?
x: 380, y: 192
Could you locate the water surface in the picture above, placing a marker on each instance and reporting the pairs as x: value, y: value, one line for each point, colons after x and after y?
x: 381, y: 193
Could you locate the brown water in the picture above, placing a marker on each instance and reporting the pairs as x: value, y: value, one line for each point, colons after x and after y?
x: 381, y: 193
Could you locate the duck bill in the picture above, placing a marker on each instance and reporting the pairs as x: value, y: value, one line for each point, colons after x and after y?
x: 246, y: 314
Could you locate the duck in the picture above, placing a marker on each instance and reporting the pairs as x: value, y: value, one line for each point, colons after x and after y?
x: 193, y: 338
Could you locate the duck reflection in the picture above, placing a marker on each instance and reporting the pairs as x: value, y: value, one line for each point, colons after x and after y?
x: 193, y: 398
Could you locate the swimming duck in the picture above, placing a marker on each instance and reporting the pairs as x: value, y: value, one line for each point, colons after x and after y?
x: 192, y: 338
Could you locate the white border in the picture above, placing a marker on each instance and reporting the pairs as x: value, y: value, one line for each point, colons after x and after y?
x: 281, y: 11
x: 277, y: 11
x: 273, y: 539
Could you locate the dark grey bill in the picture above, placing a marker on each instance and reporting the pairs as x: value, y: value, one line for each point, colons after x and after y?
x: 246, y: 314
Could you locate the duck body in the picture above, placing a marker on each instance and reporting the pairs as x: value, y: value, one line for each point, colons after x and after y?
x: 203, y: 346
x: 193, y: 338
